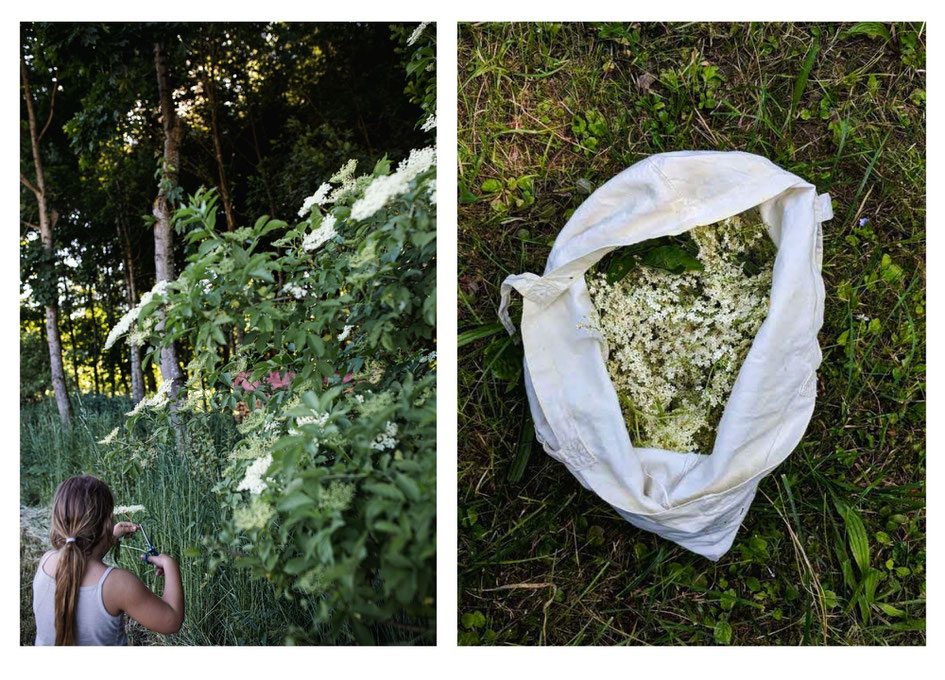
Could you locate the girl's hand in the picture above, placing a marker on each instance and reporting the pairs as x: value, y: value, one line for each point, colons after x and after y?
x: 161, y: 562
x: 124, y: 529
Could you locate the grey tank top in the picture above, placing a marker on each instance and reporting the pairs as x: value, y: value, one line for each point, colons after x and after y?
x: 93, y: 624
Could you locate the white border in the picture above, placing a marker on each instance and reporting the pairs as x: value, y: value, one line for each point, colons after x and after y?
x: 446, y: 660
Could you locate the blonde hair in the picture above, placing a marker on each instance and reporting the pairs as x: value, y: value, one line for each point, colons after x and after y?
x: 81, y: 507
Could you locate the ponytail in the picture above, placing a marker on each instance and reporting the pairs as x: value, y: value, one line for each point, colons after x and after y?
x: 69, y: 573
x: 80, y: 509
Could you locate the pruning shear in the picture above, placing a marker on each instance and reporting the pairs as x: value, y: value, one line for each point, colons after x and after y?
x: 151, y: 549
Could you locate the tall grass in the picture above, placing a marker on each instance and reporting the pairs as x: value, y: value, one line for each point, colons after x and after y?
x: 223, y: 605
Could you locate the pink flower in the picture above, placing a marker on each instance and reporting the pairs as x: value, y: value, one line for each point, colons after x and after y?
x: 276, y: 381
x: 348, y: 378
x: 242, y: 382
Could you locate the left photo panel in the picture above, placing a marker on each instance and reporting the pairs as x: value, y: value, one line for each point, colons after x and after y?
x: 227, y: 333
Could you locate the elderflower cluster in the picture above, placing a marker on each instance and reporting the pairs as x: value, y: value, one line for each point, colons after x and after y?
x: 677, y: 341
x: 295, y: 290
x: 317, y: 418
x: 320, y: 197
x: 317, y: 238
x: 387, y: 187
x: 429, y: 123
x: 110, y: 437
x: 386, y: 439
x: 337, y: 496
x: 128, y: 509
x: 157, y: 401
x: 417, y: 32
x: 253, y: 481
x: 124, y: 323
x: 251, y: 448
x: 343, y: 335
x: 256, y: 515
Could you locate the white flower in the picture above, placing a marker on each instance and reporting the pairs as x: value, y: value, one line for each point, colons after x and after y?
x: 343, y: 335
x: 429, y: 123
x: 253, y: 481
x: 296, y: 291
x: 416, y: 33
x: 383, y: 189
x: 325, y: 231
x: 320, y: 419
x: 110, y: 437
x: 318, y: 198
x: 137, y: 338
x: 157, y: 401
x: 128, y: 509
x: 124, y: 323
x: 345, y: 173
x: 677, y: 341
x: 253, y: 516
x: 385, y: 440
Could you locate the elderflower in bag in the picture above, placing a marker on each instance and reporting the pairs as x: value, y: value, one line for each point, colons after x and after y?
x: 697, y: 499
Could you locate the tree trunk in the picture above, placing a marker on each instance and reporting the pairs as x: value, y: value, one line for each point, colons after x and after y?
x: 96, y: 353
x: 70, y: 326
x: 131, y: 295
x: 46, y: 225
x: 163, y: 234
x: 210, y: 86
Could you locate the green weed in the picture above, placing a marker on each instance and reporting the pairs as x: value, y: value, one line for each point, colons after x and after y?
x: 833, y: 549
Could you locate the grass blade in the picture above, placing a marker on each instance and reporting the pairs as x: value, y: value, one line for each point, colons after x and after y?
x: 485, y: 331
x: 523, y: 449
x: 801, y: 82
x: 856, y: 535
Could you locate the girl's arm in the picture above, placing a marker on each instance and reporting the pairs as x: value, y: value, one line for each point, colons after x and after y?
x: 163, y: 614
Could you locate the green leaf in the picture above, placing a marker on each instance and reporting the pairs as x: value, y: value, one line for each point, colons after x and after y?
x: 523, y: 448
x: 672, y: 258
x: 491, y: 186
x: 385, y: 490
x: 856, y: 535
x: 595, y: 123
x: 474, y: 619
x: 871, y: 29
x: 408, y: 486
x: 722, y: 632
x: 621, y: 264
x: 316, y: 344
x: 293, y: 501
x: 485, y: 331
x: 890, y: 610
x: 503, y: 358
x: 801, y: 81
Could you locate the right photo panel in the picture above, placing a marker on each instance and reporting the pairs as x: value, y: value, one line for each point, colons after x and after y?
x: 692, y: 292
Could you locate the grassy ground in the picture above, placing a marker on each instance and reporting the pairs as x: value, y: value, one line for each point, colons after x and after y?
x: 549, y: 112
x: 223, y: 605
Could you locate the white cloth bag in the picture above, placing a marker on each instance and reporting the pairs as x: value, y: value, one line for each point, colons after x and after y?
x: 695, y: 500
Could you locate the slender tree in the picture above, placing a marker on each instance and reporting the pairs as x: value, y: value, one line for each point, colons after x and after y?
x: 163, y: 233
x: 47, y: 223
x: 131, y: 296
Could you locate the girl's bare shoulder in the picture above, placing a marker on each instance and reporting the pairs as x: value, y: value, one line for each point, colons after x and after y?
x: 48, y: 558
x: 121, y: 588
x: 123, y: 578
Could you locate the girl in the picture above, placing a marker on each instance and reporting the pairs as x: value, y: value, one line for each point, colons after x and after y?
x: 77, y: 599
